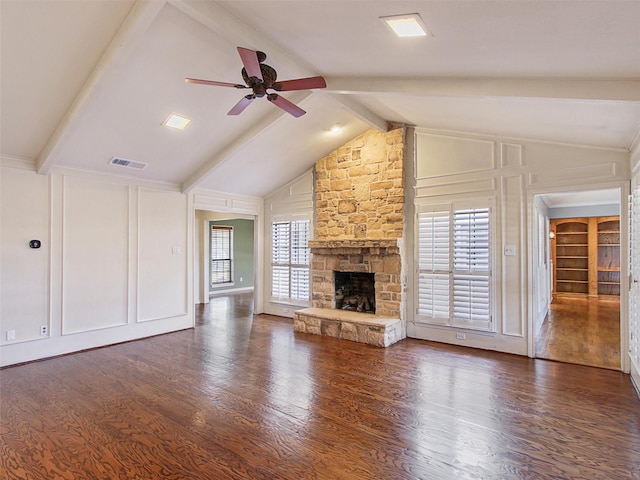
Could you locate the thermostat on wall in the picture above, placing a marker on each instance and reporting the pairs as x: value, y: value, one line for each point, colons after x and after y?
x: 35, y: 244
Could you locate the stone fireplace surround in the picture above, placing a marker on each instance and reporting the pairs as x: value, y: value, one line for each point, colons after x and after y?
x: 359, y: 223
x: 380, y: 257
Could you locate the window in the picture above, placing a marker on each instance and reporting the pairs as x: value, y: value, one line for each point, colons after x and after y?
x: 221, y: 255
x: 453, y: 251
x: 290, y: 260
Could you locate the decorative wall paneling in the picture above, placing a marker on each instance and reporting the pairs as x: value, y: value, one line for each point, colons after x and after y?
x: 452, y: 167
x: 95, y: 255
x: 162, y: 259
x: 222, y: 202
x: 25, y: 274
x: 294, y: 201
x: 513, y: 308
x: 107, y: 271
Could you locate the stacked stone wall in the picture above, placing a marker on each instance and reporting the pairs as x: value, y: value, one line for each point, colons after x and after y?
x: 359, y: 188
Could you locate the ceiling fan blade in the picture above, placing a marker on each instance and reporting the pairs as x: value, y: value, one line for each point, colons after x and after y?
x: 286, y: 105
x: 250, y: 61
x: 300, y: 84
x: 212, y: 82
x: 241, y: 105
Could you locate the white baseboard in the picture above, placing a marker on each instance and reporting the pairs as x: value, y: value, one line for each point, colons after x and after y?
x: 213, y: 293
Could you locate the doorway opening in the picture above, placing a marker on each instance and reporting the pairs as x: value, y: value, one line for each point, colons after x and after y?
x: 224, y: 254
x: 577, y: 292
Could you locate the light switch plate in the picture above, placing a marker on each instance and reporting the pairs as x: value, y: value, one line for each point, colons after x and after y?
x: 509, y: 250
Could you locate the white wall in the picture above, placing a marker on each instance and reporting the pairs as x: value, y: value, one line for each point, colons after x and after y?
x: 112, y: 267
x: 452, y: 167
x: 294, y: 201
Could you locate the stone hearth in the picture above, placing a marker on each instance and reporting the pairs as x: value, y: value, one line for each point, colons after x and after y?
x: 358, y: 327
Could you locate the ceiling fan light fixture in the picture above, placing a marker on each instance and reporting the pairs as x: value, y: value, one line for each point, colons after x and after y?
x: 176, y: 121
x: 409, y: 25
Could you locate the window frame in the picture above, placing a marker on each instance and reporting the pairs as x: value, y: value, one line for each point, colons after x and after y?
x: 285, y: 266
x: 436, y: 275
x: 229, y: 260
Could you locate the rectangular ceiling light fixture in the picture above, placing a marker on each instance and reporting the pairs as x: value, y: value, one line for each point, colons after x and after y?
x: 410, y: 25
x: 176, y: 121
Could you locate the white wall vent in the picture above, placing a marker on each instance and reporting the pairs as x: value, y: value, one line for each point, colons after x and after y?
x: 123, y: 162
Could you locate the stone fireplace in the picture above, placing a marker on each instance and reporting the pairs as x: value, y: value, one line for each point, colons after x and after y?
x: 359, y: 210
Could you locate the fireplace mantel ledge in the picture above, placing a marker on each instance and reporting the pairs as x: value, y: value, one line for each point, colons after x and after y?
x: 354, y: 243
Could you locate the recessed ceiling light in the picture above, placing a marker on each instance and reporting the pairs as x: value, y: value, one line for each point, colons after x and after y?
x: 410, y: 25
x: 335, y: 128
x: 176, y: 121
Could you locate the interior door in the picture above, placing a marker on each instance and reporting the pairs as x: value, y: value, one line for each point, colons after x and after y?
x: 634, y: 271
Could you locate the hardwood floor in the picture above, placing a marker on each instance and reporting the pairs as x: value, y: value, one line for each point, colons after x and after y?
x: 586, y: 332
x: 243, y: 397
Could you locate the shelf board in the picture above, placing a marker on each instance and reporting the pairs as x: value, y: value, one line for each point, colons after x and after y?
x: 572, y: 268
x: 608, y: 283
x: 564, y: 256
x: 571, y: 281
x: 608, y: 269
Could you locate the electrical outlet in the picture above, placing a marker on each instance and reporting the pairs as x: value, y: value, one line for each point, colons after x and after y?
x: 241, y: 279
x: 11, y: 335
x: 461, y: 336
x: 44, y: 330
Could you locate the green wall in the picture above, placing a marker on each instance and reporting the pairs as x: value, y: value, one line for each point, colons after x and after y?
x: 242, y: 252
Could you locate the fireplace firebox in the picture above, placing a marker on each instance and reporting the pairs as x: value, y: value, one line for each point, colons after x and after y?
x: 355, y: 291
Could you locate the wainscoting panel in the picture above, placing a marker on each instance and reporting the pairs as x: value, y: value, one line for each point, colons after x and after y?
x: 513, y: 317
x: 579, y: 173
x: 95, y: 255
x: 447, y: 155
x: 511, y: 155
x: 162, y: 255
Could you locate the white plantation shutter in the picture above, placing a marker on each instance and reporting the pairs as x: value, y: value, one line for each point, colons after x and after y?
x: 471, y: 265
x: 299, y: 283
x: 221, y: 253
x: 453, y: 253
x: 279, y: 282
x: 291, y: 259
x: 281, y: 232
x: 433, y: 260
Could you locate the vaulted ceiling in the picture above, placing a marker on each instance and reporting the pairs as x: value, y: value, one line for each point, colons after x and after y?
x: 85, y: 81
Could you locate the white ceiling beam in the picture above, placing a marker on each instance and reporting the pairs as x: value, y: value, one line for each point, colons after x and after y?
x: 136, y: 24
x: 202, y: 173
x: 570, y: 89
x: 360, y: 111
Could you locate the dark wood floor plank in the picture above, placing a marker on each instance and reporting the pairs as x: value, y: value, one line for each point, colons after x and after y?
x: 581, y: 331
x: 244, y: 397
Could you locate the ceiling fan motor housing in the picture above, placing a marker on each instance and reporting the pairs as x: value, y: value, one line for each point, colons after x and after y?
x: 269, y: 76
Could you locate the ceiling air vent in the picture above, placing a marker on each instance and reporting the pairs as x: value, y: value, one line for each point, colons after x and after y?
x: 123, y: 162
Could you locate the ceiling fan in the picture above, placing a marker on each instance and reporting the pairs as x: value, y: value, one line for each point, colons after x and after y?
x: 260, y: 77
